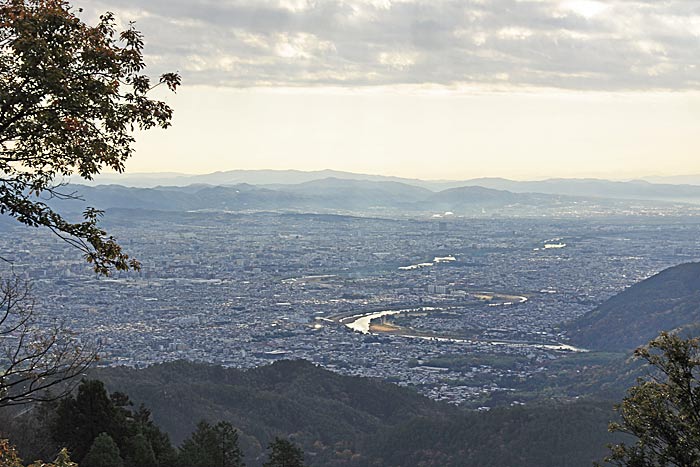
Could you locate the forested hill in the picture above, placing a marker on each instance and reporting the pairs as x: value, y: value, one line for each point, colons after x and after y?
x: 353, y: 421
x: 285, y: 397
x: 667, y: 301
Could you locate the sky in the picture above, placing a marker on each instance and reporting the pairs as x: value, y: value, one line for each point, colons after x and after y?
x: 439, y: 89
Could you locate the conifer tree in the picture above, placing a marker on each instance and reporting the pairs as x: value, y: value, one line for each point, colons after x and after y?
x: 212, y: 446
x: 284, y: 453
x: 81, y: 419
x: 139, y: 452
x: 92, y: 411
x: 103, y: 453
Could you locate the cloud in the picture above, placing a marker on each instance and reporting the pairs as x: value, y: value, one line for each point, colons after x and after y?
x: 570, y: 44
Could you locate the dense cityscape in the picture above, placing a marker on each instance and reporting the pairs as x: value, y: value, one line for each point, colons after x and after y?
x: 243, y: 290
x: 395, y: 233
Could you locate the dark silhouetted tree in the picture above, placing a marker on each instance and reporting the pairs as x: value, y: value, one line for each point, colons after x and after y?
x: 139, y: 452
x: 165, y: 454
x: 103, y: 453
x: 92, y: 411
x: 284, y: 453
x: 82, y: 418
x: 663, y: 409
x: 211, y: 446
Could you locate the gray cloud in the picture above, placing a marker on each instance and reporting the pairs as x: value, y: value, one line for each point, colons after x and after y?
x: 572, y: 44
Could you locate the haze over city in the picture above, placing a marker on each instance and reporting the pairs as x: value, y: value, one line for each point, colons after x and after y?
x: 438, y: 90
x: 349, y: 233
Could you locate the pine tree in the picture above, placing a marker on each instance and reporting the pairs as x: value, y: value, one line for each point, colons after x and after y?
x: 92, y: 411
x: 212, y: 446
x: 165, y: 454
x: 284, y: 453
x: 139, y: 452
x: 81, y: 419
x: 103, y: 453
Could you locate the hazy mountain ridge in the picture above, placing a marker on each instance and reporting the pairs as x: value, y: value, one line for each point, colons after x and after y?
x: 664, y: 302
x: 693, y: 179
x: 680, y: 188
x: 491, y: 197
x: 328, y: 195
x: 635, y: 189
x: 253, y: 177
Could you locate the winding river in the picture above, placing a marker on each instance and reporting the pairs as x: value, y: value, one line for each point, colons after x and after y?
x: 362, y: 323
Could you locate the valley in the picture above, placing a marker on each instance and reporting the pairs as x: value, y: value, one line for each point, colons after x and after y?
x: 244, y: 290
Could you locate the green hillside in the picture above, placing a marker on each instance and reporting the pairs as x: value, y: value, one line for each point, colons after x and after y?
x: 342, y: 420
x: 667, y: 301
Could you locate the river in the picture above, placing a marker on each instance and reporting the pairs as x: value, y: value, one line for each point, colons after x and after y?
x: 361, y: 323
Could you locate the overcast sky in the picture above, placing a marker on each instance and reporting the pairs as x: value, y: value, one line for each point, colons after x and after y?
x: 432, y: 89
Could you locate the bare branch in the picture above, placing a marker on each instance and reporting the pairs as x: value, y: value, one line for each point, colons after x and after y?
x: 35, y: 358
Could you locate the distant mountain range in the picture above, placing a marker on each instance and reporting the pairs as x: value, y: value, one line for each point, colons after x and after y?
x: 668, y: 301
x: 632, y: 190
x: 676, y: 189
x: 343, y: 195
x: 693, y: 179
x: 255, y: 177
